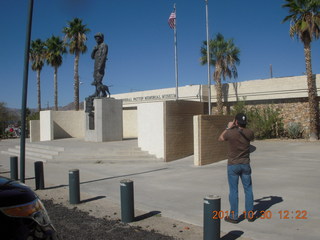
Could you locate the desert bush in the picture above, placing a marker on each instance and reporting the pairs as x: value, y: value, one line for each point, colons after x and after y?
x: 294, y: 130
x: 265, y: 122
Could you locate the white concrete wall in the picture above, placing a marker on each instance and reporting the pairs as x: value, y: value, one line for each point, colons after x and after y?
x: 46, y: 126
x: 68, y: 124
x: 34, y: 130
x: 130, y: 128
x: 61, y: 124
x: 151, y: 128
x: 108, y: 123
x: 196, y: 140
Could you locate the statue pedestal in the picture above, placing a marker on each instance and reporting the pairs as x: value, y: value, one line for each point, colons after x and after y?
x: 105, y: 124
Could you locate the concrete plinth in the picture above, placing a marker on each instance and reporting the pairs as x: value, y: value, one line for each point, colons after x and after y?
x: 106, y: 124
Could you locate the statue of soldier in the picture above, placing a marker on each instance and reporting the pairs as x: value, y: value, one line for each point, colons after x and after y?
x: 99, y: 54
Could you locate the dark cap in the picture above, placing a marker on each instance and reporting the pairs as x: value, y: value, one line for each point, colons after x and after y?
x: 241, y: 118
x: 99, y: 34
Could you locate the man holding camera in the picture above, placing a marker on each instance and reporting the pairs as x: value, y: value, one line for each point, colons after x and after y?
x: 239, y: 137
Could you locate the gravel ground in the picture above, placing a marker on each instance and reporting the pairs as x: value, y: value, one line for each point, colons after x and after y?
x: 73, y: 224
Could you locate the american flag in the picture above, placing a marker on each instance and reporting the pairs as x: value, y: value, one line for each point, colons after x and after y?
x: 172, y: 20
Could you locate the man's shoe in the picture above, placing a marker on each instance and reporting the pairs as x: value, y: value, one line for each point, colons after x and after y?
x: 230, y: 220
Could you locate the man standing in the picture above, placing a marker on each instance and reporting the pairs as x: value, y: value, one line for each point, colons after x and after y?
x: 99, y: 54
x: 239, y: 137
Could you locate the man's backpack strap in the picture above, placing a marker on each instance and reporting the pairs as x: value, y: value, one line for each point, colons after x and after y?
x: 240, y: 131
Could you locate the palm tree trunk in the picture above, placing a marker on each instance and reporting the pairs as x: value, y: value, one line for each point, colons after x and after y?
x: 219, y: 97
x: 217, y: 78
x: 312, y: 94
x: 38, y: 90
x: 55, y: 88
x: 76, y: 81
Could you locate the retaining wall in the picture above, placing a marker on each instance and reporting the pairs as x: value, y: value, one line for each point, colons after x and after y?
x: 207, y: 148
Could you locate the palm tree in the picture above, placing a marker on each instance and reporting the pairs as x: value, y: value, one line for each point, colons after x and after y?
x: 305, y: 24
x: 55, y: 49
x: 37, y: 57
x: 75, y: 35
x: 224, y: 56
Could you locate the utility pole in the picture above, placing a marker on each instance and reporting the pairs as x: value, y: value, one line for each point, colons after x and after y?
x: 208, y: 59
x: 24, y: 94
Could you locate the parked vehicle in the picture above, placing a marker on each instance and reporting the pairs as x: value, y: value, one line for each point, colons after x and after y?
x: 22, y: 214
x: 13, y: 131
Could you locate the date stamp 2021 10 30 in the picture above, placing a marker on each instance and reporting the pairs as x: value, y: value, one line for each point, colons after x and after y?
x: 282, y: 214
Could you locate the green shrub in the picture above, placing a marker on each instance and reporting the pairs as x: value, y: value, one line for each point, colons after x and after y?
x: 294, y: 130
x: 265, y: 122
x: 239, y: 107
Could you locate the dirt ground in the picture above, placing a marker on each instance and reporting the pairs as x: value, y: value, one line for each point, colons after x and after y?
x: 99, y: 218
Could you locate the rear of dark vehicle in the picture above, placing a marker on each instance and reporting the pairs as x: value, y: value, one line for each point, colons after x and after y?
x: 22, y: 214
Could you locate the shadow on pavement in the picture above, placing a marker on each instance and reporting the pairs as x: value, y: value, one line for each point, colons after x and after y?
x: 146, y: 215
x: 121, y: 176
x: 232, y: 235
x: 108, y: 178
x: 54, y: 187
x: 92, y: 199
x: 262, y: 205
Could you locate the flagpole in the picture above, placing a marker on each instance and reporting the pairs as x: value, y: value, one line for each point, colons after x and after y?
x: 175, y: 53
x: 208, y: 59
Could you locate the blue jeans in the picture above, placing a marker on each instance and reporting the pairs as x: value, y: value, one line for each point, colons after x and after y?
x: 244, y: 172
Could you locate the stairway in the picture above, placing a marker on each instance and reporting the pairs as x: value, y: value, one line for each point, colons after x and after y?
x: 79, y: 151
x: 36, y: 152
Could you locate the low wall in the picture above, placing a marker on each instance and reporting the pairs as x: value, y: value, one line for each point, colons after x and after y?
x: 34, y: 130
x: 68, y: 124
x: 46, y: 126
x: 151, y: 128
x: 179, y: 128
x: 165, y: 129
x: 130, y: 122
x: 207, y: 148
x: 61, y: 124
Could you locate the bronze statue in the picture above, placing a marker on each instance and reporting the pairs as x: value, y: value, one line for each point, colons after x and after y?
x: 99, y: 54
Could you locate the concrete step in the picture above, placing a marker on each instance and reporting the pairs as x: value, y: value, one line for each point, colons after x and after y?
x: 39, y: 150
x: 83, y: 152
x: 27, y: 155
x: 75, y: 157
x: 47, y: 147
x: 36, y: 152
x: 132, y: 153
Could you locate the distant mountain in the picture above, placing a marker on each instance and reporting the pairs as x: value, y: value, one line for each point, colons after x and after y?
x: 70, y: 106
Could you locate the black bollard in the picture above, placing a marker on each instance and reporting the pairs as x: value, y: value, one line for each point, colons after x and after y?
x: 74, y: 186
x: 127, y: 201
x: 211, y: 218
x: 39, y: 176
x: 14, y: 167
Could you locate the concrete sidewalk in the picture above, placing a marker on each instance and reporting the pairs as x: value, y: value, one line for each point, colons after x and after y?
x: 285, y: 180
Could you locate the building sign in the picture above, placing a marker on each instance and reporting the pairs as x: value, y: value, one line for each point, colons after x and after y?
x: 150, y: 98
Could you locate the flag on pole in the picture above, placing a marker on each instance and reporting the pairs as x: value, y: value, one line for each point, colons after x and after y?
x: 172, y: 20
x: 173, y: 25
